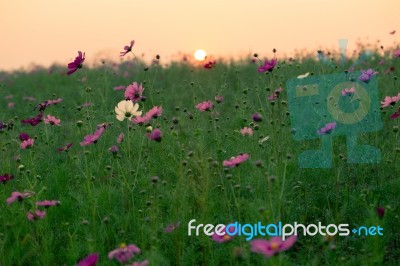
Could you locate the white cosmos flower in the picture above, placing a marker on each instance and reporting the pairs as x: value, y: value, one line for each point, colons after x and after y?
x: 126, y: 109
x: 303, y: 76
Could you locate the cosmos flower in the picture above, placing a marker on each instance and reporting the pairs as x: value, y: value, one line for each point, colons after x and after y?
x: 380, y: 211
x: 171, y: 227
x: 210, y: 64
x: 51, y: 120
x: 275, y: 94
x: 33, y: 120
x: 268, y: 66
x: 257, y: 117
x: 154, y: 112
x: 155, y: 135
x: 219, y: 98
x: 390, y: 100
x: 126, y: 109
x: 348, y: 92
x: 42, y: 106
x: 235, y: 161
x: 224, y: 238
x: 246, y: 131
x: 124, y: 253
x: 77, y: 63
x: 10, y: 105
x: 92, y: 139
x: 134, y: 92
x: 120, y: 138
x: 90, y: 260
x: 127, y: 48
x: 396, y: 114
x: 23, y: 136
x: 397, y: 53
x: 47, y: 203
x: 205, y: 106
x: 18, y: 196
x: 113, y: 149
x: 273, y: 246
x: 327, y: 129
x: 65, y: 148
x: 141, y: 120
x: 5, y: 178
x: 36, y: 215
x: 366, y: 75
x: 26, y: 144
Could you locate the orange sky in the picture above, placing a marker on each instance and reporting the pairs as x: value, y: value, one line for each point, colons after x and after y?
x: 44, y: 31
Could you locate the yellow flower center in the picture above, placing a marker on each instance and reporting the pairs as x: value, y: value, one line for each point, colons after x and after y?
x: 123, y: 245
x: 227, y: 237
x: 275, y: 246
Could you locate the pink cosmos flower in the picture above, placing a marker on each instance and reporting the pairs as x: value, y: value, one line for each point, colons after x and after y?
x: 26, y: 144
x: 348, y: 92
x: 224, y: 238
x: 65, y: 148
x: 34, y: 120
x: 140, y: 263
x: 10, y: 105
x: 171, y: 227
x: 219, y: 98
x: 77, y: 63
x: 327, y: 129
x: 275, y: 95
x: 47, y: 203
x: 52, y: 120
x: 155, y: 135
x: 246, y: 131
x: 140, y: 120
x: 113, y: 149
x: 119, y: 88
x: 36, y: 215
x: 154, y: 112
x: 235, y: 161
x: 366, y: 75
x: 120, y: 138
x: 273, y: 246
x: 92, y: 139
x: 210, y: 64
x: 5, y: 178
x: 268, y: 66
x: 390, y: 100
x: 396, y: 114
x: 42, y: 106
x: 127, y: 48
x: 90, y: 260
x: 124, y: 253
x: 397, y: 53
x: 23, y: 136
x: 205, y: 106
x: 134, y: 92
x: 18, y: 196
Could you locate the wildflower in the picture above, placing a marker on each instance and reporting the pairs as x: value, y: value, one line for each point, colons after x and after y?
x: 127, y: 49
x: 119, y: 88
x: 235, y: 161
x: 140, y: 120
x: 33, y: 120
x: 275, y: 245
x: 90, y: 260
x: 268, y: 66
x: 210, y: 64
x: 390, y: 100
x: 380, y: 211
x: 155, y: 135
x: 38, y: 214
x: 397, y: 53
x: 26, y: 144
x: 348, y: 92
x: 246, y: 131
x: 18, y: 196
x: 205, y: 106
x: 396, y: 114
x: 275, y: 95
x: 120, y: 138
x: 124, y: 253
x: 65, y: 148
x: 126, y: 109
x: 223, y: 238
x: 47, y: 203
x: 327, y: 129
x: 142, y: 263
x: 77, y: 63
x: 366, y: 75
x: 219, y: 99
x: 113, y: 149
x: 134, y: 92
x: 5, y: 177
x: 92, y: 139
x: 23, y: 136
x: 171, y: 227
x: 154, y: 112
x: 257, y: 117
x: 303, y: 76
x: 52, y: 120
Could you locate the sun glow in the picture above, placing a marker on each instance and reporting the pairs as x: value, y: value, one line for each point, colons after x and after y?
x: 200, y: 55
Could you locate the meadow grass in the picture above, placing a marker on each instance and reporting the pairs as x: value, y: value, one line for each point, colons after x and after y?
x: 107, y: 200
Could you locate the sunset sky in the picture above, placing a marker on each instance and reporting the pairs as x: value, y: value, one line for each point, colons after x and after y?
x: 47, y: 31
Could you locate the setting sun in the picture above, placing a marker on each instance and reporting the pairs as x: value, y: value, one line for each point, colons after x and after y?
x: 200, y: 55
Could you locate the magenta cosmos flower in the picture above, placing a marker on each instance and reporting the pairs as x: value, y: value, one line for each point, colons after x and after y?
x: 5, y: 178
x: 127, y: 48
x: 90, y: 260
x: 390, y: 100
x: 26, y: 144
x: 154, y: 112
x: 18, y: 196
x: 205, y: 106
x: 23, y: 136
x: 246, y: 131
x: 155, y: 135
x: 273, y: 246
x: 36, y: 215
x: 210, y: 64
x: 47, y: 203
x: 396, y: 114
x: 134, y: 92
x: 65, y: 148
x: 33, y: 120
x: 124, y: 253
x: 366, y: 75
x: 268, y: 66
x: 92, y: 139
x: 77, y: 63
x: 51, y: 120
x: 327, y: 129
x: 348, y: 92
x: 235, y: 161
x: 224, y: 238
x: 257, y: 117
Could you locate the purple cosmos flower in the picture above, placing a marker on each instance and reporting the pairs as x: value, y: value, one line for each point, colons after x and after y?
x: 205, y: 106
x: 124, y: 253
x: 396, y: 114
x: 235, y: 161
x: 77, y: 63
x: 268, y: 66
x: 275, y: 245
x: 23, y: 136
x: 5, y: 178
x: 33, y: 120
x: 65, y: 148
x: 90, y: 260
x: 171, y: 227
x: 47, y: 203
x: 380, y: 211
x: 134, y: 92
x: 210, y: 64
x: 257, y: 117
x: 366, y: 75
x: 155, y: 135
x: 36, y: 215
x: 92, y: 139
x: 127, y: 48
x: 327, y: 129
